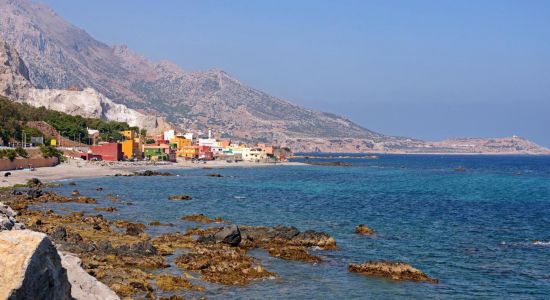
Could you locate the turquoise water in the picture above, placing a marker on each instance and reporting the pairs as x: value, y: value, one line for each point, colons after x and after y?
x: 472, y: 230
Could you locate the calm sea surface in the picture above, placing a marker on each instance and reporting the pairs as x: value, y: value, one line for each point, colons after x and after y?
x: 475, y: 230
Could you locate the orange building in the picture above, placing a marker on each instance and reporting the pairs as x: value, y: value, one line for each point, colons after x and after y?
x: 130, y: 149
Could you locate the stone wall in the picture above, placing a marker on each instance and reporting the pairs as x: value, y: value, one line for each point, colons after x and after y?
x: 6, y: 164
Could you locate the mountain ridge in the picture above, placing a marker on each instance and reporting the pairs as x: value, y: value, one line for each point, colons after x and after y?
x: 59, y: 55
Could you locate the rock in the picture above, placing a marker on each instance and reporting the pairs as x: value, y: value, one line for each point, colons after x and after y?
x: 99, y: 189
x: 230, y: 235
x: 34, y: 193
x: 200, y: 218
x: 108, y: 209
x: 7, y: 219
x: 143, y: 248
x: 157, y: 223
x: 293, y: 253
x: 75, y: 193
x: 72, y: 183
x: 34, y: 182
x: 214, y: 175
x: 363, y: 229
x: 59, y: 234
x: 329, y: 164
x: 31, y: 267
x: 134, y: 230
x: 152, y: 173
x: 391, y: 270
x: 6, y: 210
x: 174, y: 283
x: 180, y: 197
x: 84, y: 286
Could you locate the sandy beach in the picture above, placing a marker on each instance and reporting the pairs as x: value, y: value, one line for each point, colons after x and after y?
x: 85, y: 169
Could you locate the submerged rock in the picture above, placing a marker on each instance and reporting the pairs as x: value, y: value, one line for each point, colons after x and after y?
x: 175, y: 283
x: 152, y: 173
x: 200, y: 218
x: 363, y: 229
x: 108, y: 209
x: 391, y: 270
x: 180, y: 197
x: 214, y: 175
x: 328, y: 163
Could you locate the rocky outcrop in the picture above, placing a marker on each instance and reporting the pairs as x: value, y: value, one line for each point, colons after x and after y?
x: 31, y: 267
x: 7, y: 219
x: 14, y: 75
x: 391, y: 270
x: 84, y: 286
x: 230, y: 235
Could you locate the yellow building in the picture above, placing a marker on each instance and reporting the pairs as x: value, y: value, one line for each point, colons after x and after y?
x: 53, y: 142
x: 190, y: 151
x: 181, y: 142
x: 128, y: 134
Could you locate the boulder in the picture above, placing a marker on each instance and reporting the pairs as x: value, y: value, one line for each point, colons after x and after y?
x: 31, y: 267
x: 84, y: 286
x: 7, y: 219
x: 229, y: 235
x: 391, y: 270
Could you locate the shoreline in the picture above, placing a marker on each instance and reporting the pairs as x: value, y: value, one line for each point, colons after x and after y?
x: 73, y: 169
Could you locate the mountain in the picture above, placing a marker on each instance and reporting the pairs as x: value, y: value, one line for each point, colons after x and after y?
x: 59, y: 55
x: 15, y: 83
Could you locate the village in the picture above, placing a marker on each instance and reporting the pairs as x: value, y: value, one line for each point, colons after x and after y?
x: 172, y: 146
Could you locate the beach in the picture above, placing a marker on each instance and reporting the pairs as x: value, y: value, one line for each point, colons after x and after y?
x: 72, y: 169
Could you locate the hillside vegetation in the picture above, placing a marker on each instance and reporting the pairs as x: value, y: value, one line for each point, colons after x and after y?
x: 13, y: 117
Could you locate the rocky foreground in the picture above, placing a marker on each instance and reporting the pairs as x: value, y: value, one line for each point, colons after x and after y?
x: 98, y: 258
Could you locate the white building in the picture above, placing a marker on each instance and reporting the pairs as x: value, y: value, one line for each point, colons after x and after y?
x: 254, y: 154
x: 169, y: 135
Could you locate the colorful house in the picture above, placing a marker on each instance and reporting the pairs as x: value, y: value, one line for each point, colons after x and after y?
x: 108, y: 151
x: 254, y: 155
x: 190, y: 151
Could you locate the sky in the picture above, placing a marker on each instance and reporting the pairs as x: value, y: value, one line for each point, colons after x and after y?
x: 424, y: 69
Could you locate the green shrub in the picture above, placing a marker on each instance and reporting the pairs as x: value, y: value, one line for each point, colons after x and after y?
x: 11, y: 154
x: 21, y: 152
x: 49, y: 151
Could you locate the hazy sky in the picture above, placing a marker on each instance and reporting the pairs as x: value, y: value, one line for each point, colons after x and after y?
x: 425, y: 69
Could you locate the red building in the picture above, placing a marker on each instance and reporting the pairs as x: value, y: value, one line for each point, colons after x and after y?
x: 110, y: 151
x: 205, y: 153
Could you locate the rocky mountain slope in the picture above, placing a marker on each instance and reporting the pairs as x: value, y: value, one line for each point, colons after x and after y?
x: 15, y: 83
x: 59, y: 55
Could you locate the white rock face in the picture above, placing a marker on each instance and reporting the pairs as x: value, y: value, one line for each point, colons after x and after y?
x: 89, y: 104
x: 83, y: 285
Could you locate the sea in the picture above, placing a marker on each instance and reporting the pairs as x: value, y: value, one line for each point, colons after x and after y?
x: 480, y: 224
